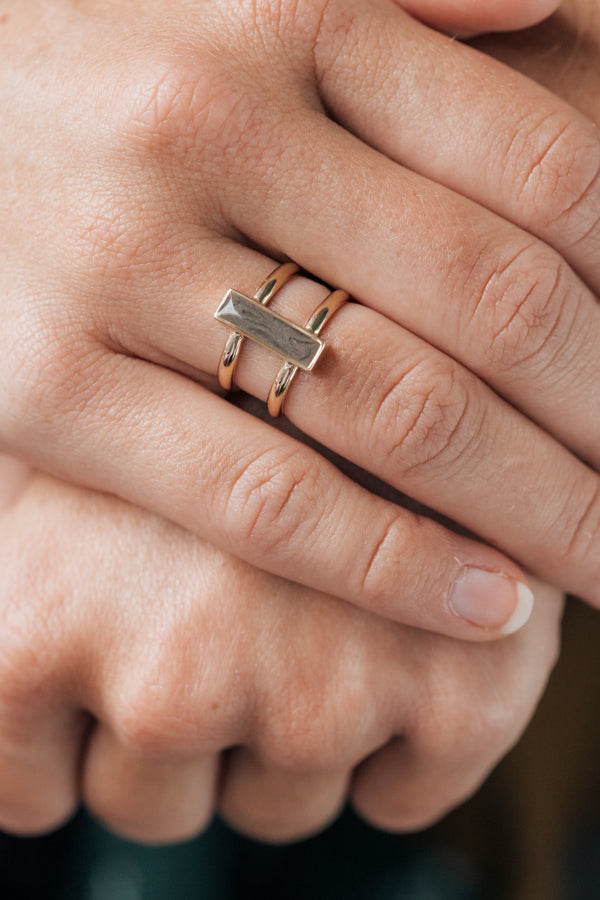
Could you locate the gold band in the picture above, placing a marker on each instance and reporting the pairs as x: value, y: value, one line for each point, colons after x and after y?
x: 264, y: 294
x: 288, y: 371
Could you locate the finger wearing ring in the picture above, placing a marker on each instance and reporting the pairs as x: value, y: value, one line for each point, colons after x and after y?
x: 300, y: 347
x: 287, y: 372
x: 265, y: 293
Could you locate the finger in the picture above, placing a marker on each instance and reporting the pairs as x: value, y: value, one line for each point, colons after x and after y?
x: 538, y: 163
x: 270, y: 803
x: 400, y: 409
x: 161, y: 441
x: 40, y: 751
x: 471, y: 16
x: 14, y: 475
x: 465, y: 720
x: 42, y: 728
x: 489, y: 295
x: 145, y: 799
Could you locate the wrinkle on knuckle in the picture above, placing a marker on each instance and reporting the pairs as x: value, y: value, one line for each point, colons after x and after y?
x: 560, y: 171
x: 583, y: 532
x: 377, y: 577
x: 175, y: 100
x: 191, y: 110
x: 289, y: 22
x: 425, y: 419
x: 339, y: 32
x: 271, y: 497
x: 525, y: 309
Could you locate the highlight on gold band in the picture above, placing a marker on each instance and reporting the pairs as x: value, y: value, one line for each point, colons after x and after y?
x: 315, y: 323
x: 262, y: 296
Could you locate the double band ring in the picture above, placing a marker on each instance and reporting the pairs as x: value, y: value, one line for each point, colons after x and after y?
x: 299, y: 346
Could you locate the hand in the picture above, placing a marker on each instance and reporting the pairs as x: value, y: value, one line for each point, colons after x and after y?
x: 147, y: 153
x: 132, y: 656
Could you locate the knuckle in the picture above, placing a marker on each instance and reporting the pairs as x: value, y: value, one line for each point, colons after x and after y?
x: 582, y: 533
x: 426, y: 417
x: 174, y: 702
x: 459, y: 723
x: 23, y: 675
x: 271, y: 498
x: 377, y: 579
x: 339, y: 29
x: 26, y: 663
x: 306, y: 730
x: 190, y: 107
x: 560, y: 172
x: 173, y: 101
x: 526, y: 309
x: 151, y: 715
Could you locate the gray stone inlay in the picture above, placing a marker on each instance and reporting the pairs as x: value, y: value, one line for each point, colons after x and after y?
x: 255, y: 321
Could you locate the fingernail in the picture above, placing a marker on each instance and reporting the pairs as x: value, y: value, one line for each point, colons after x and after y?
x: 491, y: 600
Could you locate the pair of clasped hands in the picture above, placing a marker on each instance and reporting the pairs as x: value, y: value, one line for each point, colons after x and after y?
x: 200, y: 611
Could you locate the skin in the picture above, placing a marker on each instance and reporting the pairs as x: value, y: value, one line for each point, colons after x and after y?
x: 448, y: 380
x: 471, y: 16
x: 151, y: 673
x: 133, y: 655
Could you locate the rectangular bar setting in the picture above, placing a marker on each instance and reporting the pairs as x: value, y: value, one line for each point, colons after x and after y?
x: 293, y: 343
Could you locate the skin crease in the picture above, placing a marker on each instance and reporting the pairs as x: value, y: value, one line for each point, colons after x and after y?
x: 46, y: 526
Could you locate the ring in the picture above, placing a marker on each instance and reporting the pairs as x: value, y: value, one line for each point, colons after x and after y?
x: 263, y: 295
x: 299, y: 346
x: 288, y: 371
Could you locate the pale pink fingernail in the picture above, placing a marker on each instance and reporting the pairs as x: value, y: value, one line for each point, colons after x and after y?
x: 491, y: 600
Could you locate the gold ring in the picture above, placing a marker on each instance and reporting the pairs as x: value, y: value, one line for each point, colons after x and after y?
x: 265, y: 293
x: 299, y: 346
x: 287, y: 372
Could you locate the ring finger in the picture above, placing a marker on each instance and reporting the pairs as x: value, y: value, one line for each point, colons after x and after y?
x: 394, y: 405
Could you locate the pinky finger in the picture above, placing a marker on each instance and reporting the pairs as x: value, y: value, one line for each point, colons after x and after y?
x: 399, y: 790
